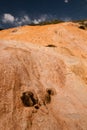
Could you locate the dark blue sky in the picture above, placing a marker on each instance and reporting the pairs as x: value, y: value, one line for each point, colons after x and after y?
x: 45, y: 9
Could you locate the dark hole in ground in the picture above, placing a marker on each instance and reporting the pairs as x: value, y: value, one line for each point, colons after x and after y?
x: 47, y: 98
x: 15, y: 30
x: 50, y: 45
x: 50, y: 91
x: 36, y: 106
x: 28, y: 99
x: 82, y: 27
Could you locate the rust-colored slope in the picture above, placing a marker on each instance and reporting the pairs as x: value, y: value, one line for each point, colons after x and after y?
x: 48, y: 34
x: 43, y: 88
x: 68, y: 38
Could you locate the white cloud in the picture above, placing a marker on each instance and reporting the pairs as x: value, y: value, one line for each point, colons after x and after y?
x: 25, y: 19
x: 41, y: 19
x: 66, y: 19
x: 8, y: 18
x: 66, y: 1
x: 22, y: 20
x: 35, y: 21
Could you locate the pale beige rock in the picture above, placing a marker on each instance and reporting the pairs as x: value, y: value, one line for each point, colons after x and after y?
x: 43, y: 88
